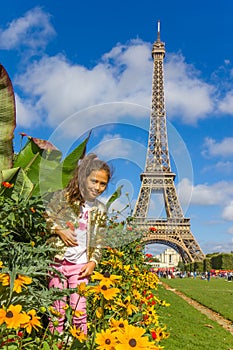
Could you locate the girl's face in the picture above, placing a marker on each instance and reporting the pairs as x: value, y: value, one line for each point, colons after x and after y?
x: 95, y: 184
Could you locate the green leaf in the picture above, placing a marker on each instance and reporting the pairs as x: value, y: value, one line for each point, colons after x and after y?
x: 51, y: 180
x: 34, y: 152
x: 22, y: 184
x: 114, y: 196
x: 46, y: 346
x: 7, y: 119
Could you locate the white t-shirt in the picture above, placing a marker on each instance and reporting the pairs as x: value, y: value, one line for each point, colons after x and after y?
x: 78, y: 254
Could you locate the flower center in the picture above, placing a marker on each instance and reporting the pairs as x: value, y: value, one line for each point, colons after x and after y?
x: 104, y: 287
x: 121, y: 325
x: 132, y: 342
x: 107, y: 274
x: 108, y: 341
x: 9, y: 314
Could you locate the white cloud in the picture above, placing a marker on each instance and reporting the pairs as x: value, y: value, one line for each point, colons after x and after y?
x: 204, y: 194
x: 226, y: 104
x: 225, y: 167
x: 114, y: 146
x: 230, y: 230
x: 187, y: 95
x: 216, y: 246
x: 26, y: 114
x: 227, y: 213
x: 59, y: 88
x: 33, y: 30
x: 223, y: 148
x: 62, y: 89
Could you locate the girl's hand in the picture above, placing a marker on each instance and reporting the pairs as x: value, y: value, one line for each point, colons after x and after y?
x: 68, y: 236
x: 87, y: 269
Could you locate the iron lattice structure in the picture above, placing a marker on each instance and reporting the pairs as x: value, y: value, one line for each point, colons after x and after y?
x: 174, y: 230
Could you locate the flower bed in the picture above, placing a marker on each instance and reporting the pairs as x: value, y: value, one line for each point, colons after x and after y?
x: 121, y: 297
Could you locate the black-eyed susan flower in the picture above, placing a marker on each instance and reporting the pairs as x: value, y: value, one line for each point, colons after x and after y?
x: 126, y: 268
x: 33, y: 322
x: 20, y: 282
x: 14, y: 318
x: 150, y: 316
x: 108, y: 293
x: 106, y: 279
x: 118, y: 325
x: 5, y: 279
x: 77, y: 313
x: 133, y: 339
x: 159, y: 333
x: 55, y: 312
x: 106, y: 340
x: 1, y: 265
x: 82, y: 289
x: 130, y: 308
x: 2, y: 316
x: 78, y: 333
x: 65, y: 307
x: 136, y: 294
x: 99, y: 312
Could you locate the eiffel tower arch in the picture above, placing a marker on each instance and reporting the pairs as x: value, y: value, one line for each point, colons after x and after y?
x: 157, y: 178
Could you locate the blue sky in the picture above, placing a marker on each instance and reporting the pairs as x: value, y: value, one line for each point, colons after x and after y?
x: 77, y: 66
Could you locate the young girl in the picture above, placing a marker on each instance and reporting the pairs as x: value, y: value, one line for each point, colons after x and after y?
x: 77, y: 220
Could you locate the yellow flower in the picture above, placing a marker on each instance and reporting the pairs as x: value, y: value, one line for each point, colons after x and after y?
x: 133, y: 339
x: 108, y: 293
x: 77, y: 313
x: 106, y: 279
x: 106, y: 340
x: 164, y: 303
x: 118, y: 325
x: 2, y: 316
x: 82, y: 289
x: 14, y: 318
x: 55, y: 312
x: 130, y: 308
x: 5, y: 279
x: 115, y: 263
x: 20, y: 282
x: 136, y: 294
x: 1, y: 265
x: 150, y: 316
x: 65, y: 307
x: 33, y: 321
x: 77, y: 333
x: 99, y: 312
x: 127, y: 268
x: 159, y: 334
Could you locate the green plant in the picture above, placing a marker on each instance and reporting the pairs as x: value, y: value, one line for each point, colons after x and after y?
x: 188, y: 328
x: 7, y: 120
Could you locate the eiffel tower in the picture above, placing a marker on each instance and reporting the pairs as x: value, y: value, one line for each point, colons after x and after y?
x: 157, y: 178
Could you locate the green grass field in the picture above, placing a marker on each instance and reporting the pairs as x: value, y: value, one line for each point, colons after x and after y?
x: 188, y: 328
x: 217, y: 294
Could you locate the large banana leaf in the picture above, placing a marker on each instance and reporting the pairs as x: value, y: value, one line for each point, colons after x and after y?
x: 51, y: 180
x: 40, y: 168
x: 22, y: 184
x: 31, y: 156
x: 7, y: 120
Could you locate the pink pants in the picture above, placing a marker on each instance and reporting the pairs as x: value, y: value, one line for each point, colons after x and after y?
x: 70, y: 272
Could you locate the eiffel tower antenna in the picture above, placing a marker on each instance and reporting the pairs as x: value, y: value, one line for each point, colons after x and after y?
x: 157, y: 178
